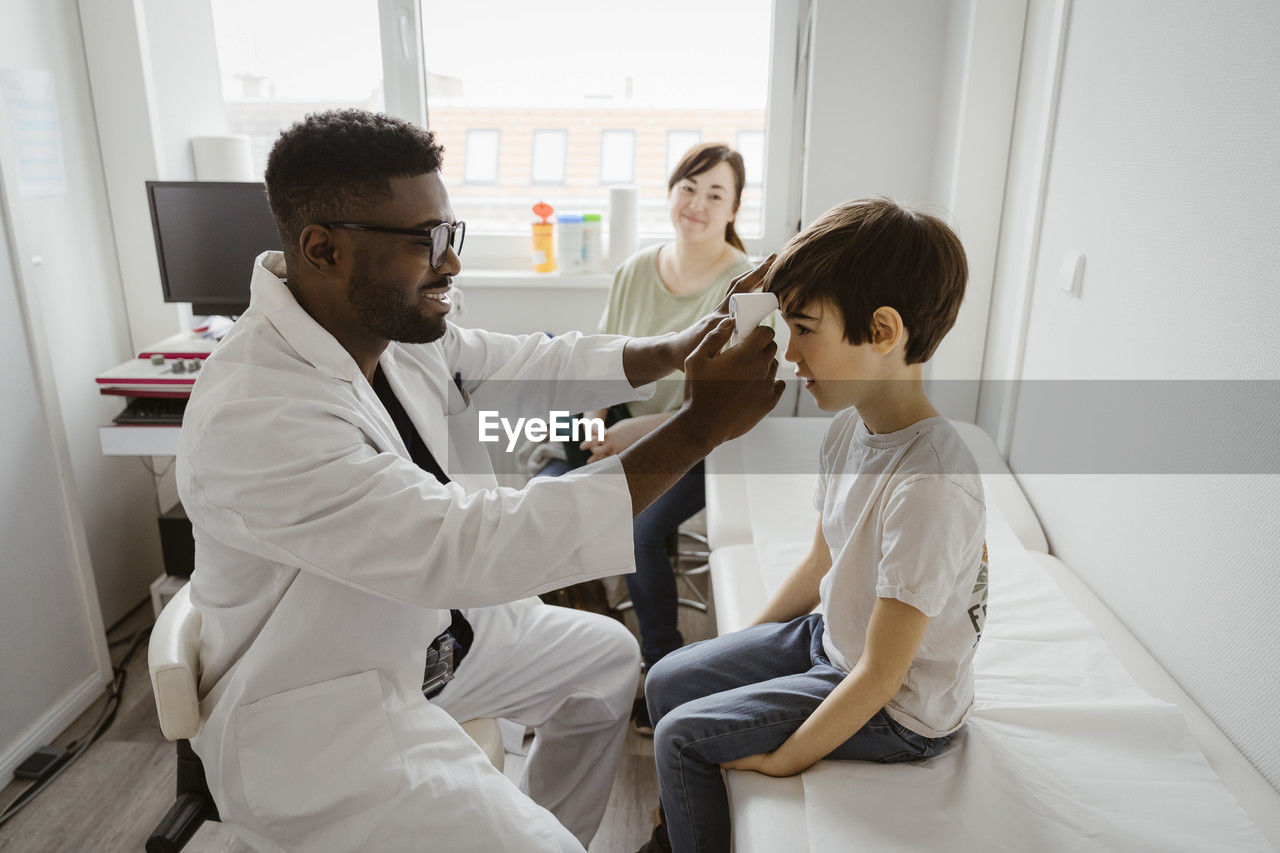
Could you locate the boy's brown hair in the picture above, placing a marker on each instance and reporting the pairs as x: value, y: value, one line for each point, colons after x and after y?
x: 865, y: 254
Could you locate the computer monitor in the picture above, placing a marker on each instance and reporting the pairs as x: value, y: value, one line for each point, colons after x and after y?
x: 208, y: 234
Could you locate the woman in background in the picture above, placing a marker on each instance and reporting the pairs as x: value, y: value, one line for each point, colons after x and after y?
x: 663, y: 289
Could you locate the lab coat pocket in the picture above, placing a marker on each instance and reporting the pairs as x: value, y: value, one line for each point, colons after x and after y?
x: 317, y: 754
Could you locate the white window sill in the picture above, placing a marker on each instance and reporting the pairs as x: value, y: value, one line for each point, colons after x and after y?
x: 526, y: 279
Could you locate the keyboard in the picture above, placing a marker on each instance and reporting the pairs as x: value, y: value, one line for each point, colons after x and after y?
x: 160, y: 411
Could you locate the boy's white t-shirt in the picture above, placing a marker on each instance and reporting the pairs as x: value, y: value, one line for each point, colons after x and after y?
x: 904, y: 516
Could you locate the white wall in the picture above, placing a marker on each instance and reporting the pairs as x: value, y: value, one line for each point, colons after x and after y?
x: 187, y: 88
x: 980, y: 79
x: 875, y: 86
x: 154, y: 71
x: 53, y: 654
x: 154, y: 68
x: 85, y: 327
x: 1164, y: 169
x: 914, y: 100
x: 113, y: 35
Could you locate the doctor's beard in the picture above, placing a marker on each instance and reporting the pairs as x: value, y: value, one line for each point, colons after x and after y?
x: 386, y: 312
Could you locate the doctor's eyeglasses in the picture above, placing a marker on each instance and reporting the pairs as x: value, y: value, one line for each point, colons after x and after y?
x: 442, y: 236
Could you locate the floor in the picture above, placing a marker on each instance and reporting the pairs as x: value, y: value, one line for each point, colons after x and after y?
x: 113, y: 796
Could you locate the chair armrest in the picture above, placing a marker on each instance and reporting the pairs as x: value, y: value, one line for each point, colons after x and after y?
x: 485, y: 732
x: 173, y: 659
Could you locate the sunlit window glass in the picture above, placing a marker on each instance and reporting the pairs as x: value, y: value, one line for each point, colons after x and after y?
x: 751, y: 146
x: 678, y: 142
x: 678, y: 73
x: 278, y: 63
x: 549, y: 147
x: 617, y: 156
x: 481, y: 166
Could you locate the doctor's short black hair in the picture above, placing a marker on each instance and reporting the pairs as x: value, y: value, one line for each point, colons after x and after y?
x: 862, y: 255
x: 332, y: 165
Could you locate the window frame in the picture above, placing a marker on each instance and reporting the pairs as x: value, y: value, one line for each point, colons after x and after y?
x: 405, y: 75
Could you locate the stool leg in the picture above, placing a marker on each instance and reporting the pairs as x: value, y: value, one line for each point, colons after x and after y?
x: 624, y: 601
x: 699, y: 601
x: 700, y: 604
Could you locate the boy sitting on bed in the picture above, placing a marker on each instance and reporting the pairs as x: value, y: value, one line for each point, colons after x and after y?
x: 881, y: 670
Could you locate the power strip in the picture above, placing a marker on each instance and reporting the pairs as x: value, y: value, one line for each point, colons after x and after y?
x: 40, y: 764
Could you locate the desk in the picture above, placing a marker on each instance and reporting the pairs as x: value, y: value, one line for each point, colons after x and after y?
x: 508, y: 301
x: 140, y: 377
x: 139, y: 440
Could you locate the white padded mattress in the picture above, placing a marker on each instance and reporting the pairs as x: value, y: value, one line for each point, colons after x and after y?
x: 1063, y: 751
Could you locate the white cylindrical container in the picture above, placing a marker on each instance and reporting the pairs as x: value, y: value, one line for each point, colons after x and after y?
x: 624, y: 215
x: 569, y: 242
x: 223, y: 158
x: 592, y: 243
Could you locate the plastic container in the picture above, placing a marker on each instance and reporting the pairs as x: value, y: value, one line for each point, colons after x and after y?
x: 569, y: 242
x: 592, y: 242
x: 544, y: 252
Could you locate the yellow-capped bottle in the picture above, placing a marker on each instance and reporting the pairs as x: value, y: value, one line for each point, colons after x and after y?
x: 544, y: 247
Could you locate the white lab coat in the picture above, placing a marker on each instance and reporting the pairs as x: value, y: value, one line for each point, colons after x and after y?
x: 326, y: 562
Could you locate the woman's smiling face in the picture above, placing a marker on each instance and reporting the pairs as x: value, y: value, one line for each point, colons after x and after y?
x: 702, y: 205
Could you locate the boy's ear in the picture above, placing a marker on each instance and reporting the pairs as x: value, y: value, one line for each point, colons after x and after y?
x: 887, y: 330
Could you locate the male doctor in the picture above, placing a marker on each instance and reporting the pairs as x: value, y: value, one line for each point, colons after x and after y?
x: 353, y: 549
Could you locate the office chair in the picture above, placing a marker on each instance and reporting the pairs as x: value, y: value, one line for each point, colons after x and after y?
x: 173, y: 658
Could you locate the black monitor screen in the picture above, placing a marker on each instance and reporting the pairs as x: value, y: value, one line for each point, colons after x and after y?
x: 208, y: 234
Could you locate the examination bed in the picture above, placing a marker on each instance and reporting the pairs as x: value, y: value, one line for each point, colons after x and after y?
x: 1067, y: 748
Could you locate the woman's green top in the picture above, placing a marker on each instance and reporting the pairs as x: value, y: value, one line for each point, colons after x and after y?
x: 640, y: 305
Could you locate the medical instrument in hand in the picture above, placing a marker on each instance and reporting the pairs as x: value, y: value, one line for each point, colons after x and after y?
x: 749, y: 310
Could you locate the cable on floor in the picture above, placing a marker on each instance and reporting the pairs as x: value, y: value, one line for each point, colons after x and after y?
x: 77, y: 747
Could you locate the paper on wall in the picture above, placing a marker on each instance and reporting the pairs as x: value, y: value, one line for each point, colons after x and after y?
x: 31, y: 108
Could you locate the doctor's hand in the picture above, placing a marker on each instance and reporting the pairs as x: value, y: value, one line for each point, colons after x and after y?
x: 750, y: 280
x: 727, y: 393
x: 646, y: 360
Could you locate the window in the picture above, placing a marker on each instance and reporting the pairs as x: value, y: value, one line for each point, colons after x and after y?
x: 549, y: 148
x: 751, y: 147
x: 678, y: 142
x: 617, y: 156
x: 269, y: 81
x: 481, y: 163
x: 521, y: 117
x: 628, y: 94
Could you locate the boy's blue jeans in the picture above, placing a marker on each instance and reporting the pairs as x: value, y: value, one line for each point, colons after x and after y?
x: 743, y: 694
